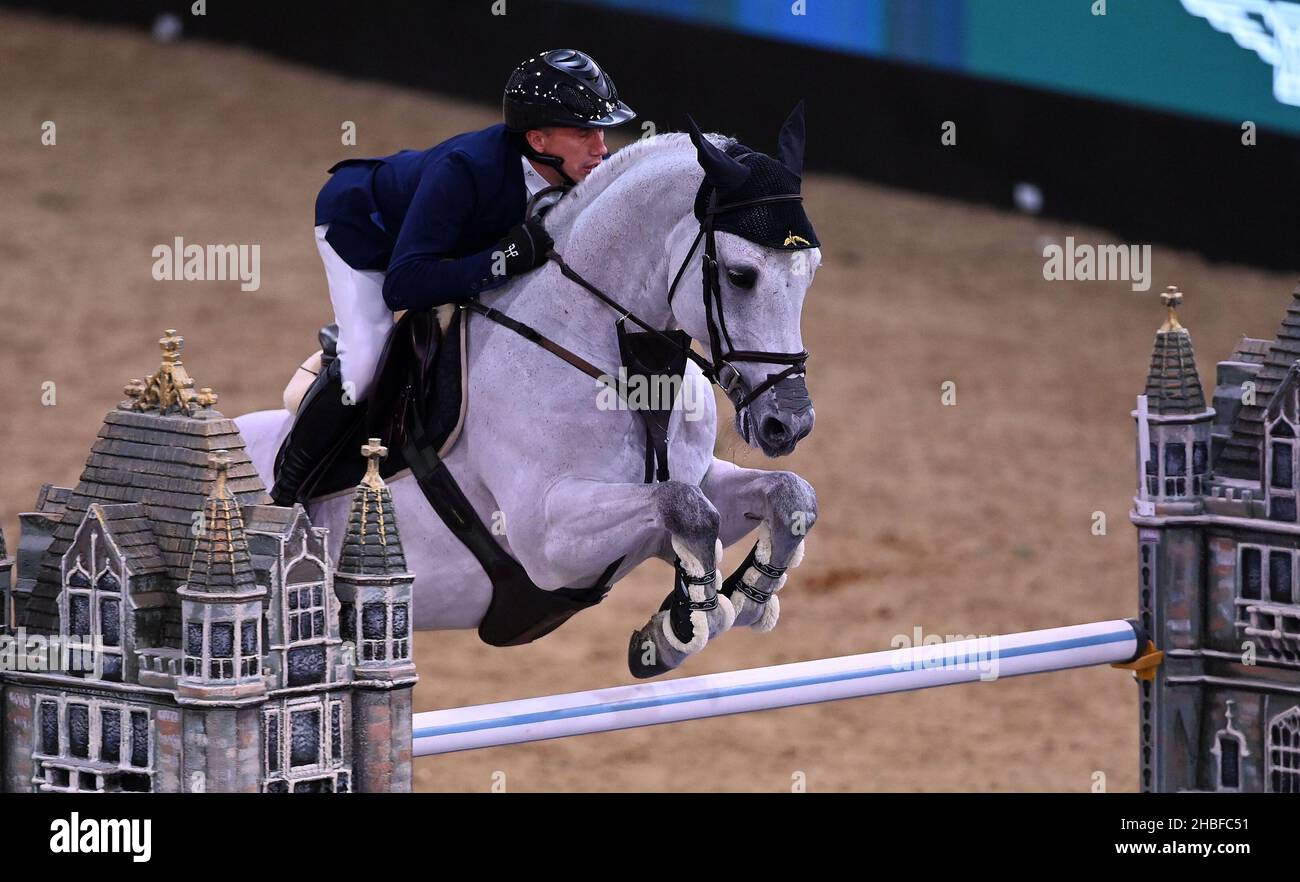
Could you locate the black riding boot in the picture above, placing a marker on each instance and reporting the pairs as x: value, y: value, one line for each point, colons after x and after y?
x: 321, y: 422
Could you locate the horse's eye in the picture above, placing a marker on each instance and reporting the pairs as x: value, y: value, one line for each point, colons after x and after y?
x: 742, y: 276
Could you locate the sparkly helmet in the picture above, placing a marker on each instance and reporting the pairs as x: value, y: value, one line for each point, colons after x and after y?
x: 560, y: 87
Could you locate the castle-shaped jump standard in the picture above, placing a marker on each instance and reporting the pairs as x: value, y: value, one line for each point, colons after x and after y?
x: 1217, y: 543
x: 229, y: 655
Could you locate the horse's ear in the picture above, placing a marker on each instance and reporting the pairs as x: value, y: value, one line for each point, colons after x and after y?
x: 720, y: 170
x: 790, y: 144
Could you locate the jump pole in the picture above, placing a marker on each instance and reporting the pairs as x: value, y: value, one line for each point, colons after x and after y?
x: 809, y: 682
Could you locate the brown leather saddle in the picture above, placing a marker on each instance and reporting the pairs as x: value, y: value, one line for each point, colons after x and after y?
x: 414, y: 407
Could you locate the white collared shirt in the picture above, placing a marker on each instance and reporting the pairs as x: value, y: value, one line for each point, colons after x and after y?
x: 535, y: 183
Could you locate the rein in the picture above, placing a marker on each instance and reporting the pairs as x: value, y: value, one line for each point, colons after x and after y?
x: 719, y: 369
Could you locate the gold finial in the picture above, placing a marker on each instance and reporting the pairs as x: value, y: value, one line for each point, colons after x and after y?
x: 171, y: 343
x: 1171, y: 297
x: 135, y: 389
x: 220, y: 460
x: 206, y: 398
x: 169, y: 389
x: 373, y: 452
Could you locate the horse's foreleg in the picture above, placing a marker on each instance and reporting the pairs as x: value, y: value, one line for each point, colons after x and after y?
x: 783, y: 507
x: 585, y: 520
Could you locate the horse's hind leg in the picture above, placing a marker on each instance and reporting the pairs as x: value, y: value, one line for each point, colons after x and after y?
x: 784, y: 508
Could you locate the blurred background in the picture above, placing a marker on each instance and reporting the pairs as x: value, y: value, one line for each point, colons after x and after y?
x: 1169, y: 123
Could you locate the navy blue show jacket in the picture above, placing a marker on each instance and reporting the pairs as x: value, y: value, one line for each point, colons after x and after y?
x: 430, y: 219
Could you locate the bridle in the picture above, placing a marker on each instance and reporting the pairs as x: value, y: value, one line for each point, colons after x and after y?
x: 719, y: 368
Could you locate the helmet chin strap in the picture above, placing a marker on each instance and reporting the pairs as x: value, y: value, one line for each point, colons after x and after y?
x: 548, y: 159
x: 556, y: 163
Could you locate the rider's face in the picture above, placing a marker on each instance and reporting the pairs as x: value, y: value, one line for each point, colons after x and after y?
x: 581, y: 149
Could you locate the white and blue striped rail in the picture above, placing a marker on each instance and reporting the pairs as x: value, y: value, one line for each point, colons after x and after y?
x: 756, y: 689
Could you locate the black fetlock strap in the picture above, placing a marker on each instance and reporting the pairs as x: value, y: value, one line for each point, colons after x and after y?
x: 680, y: 605
x: 737, y: 580
x: 682, y: 589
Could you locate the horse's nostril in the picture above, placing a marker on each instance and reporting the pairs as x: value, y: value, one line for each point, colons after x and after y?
x: 774, y: 430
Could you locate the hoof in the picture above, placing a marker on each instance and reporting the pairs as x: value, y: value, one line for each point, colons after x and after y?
x: 646, y: 656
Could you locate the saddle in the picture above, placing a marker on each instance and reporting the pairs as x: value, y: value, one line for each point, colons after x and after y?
x: 425, y: 356
x: 417, y: 407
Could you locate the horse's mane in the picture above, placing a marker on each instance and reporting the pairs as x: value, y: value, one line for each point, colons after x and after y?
x: 561, y: 218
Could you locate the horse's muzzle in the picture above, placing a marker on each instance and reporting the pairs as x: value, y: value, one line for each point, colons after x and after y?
x: 777, y: 420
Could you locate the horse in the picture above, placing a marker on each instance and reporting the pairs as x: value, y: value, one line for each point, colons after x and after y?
x: 557, y: 471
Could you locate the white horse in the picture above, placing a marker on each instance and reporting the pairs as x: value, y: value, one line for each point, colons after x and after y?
x: 538, y: 455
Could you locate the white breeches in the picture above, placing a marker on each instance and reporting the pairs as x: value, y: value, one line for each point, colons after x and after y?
x: 364, y: 320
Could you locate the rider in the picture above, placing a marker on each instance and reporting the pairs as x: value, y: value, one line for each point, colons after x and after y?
x: 422, y: 228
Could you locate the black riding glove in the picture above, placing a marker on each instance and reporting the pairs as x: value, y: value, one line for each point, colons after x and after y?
x: 523, y: 248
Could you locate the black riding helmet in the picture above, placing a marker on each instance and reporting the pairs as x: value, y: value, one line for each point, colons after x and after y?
x: 560, y: 87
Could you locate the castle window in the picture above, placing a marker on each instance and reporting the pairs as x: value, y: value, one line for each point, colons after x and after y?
x: 79, y: 730
x: 1267, y: 612
x: 249, y: 656
x: 1280, y: 466
x: 302, y: 755
x: 221, y: 665
x: 305, y: 599
x: 273, y: 746
x: 374, y: 631
x: 92, y: 607
x: 306, y: 613
x: 1279, y: 576
x: 306, y: 665
x: 1229, y: 759
x: 193, y: 648
x: 348, y: 622
x: 83, y: 746
x: 49, y: 721
x: 139, y: 738
x: 110, y: 620
x: 1175, y: 468
x: 1281, y: 472
x: 1284, y: 752
x: 401, y: 632
x: 1250, y: 573
x: 79, y: 614
x: 225, y: 660
x: 1281, y: 508
x: 336, y: 731
x: 1200, y: 465
x: 1153, y: 470
x: 110, y: 735
x: 1229, y: 747
x: 304, y: 737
